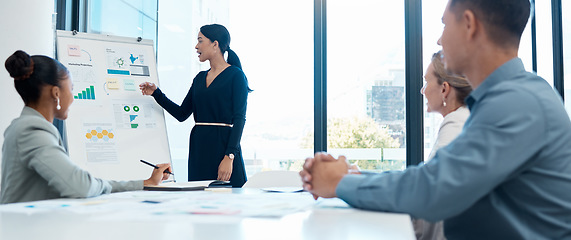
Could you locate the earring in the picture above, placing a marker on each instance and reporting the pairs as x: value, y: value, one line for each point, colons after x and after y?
x: 58, y: 107
x: 444, y: 102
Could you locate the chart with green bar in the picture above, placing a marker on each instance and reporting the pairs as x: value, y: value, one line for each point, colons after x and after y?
x: 88, y: 93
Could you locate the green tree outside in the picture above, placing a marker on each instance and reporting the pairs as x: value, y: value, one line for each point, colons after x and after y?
x: 358, y: 133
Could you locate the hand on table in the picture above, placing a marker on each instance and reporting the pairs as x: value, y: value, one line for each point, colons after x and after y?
x: 322, y: 173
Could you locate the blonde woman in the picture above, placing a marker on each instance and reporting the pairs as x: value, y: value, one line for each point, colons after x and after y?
x: 445, y: 94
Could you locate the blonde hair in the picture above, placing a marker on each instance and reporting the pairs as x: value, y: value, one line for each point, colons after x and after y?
x: 459, y: 83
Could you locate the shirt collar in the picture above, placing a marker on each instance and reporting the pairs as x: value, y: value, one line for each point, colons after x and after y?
x: 28, y: 111
x: 501, y: 74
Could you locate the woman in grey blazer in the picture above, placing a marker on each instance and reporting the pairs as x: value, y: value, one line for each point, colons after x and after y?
x: 35, y: 165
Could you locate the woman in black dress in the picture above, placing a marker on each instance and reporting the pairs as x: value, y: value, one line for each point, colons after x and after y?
x: 217, y: 101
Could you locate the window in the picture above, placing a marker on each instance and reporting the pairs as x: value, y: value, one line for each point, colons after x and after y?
x: 129, y: 18
x: 366, y: 82
x: 274, y: 40
x: 544, y: 40
x: 431, y: 31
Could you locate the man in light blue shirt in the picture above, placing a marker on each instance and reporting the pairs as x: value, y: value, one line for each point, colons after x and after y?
x: 508, y: 174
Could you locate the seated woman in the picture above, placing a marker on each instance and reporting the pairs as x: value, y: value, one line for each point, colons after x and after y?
x: 445, y: 94
x: 35, y: 165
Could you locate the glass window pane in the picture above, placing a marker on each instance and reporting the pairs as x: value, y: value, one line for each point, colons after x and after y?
x: 431, y: 31
x: 365, y: 82
x: 544, y: 40
x: 276, y: 51
x: 129, y: 18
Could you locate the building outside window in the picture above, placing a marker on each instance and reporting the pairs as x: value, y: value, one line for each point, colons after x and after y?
x: 365, y: 83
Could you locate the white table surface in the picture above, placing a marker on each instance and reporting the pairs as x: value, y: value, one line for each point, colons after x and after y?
x: 124, y: 216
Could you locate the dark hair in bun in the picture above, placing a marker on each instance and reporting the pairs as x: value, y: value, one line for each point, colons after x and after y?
x: 31, y: 73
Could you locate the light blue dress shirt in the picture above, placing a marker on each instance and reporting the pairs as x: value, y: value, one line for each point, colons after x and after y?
x: 506, y: 176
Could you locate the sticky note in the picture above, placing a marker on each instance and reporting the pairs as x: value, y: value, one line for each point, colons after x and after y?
x: 129, y: 85
x: 112, y: 83
x: 74, y: 50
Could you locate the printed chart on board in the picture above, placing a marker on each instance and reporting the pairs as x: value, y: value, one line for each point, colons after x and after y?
x: 111, y: 125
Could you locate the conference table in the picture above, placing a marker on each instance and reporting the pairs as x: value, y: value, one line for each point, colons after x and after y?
x: 226, y: 214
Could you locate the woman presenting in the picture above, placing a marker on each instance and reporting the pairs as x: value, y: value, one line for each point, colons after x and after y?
x: 217, y: 101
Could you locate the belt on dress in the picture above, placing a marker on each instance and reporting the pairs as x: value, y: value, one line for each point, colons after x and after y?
x: 214, y: 124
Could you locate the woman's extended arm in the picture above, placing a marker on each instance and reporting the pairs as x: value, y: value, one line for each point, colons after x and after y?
x: 181, y: 112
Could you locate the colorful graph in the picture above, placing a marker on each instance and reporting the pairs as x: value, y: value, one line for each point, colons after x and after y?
x: 88, y: 93
x: 100, y: 134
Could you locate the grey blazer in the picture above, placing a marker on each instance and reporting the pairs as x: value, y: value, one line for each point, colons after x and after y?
x: 35, y: 165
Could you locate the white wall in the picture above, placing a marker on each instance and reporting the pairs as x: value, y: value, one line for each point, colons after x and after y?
x: 26, y: 25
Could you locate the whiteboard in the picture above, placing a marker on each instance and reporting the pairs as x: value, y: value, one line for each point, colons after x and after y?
x: 111, y: 125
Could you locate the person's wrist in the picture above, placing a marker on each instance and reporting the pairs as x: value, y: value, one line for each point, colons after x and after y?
x: 337, y: 182
x: 146, y: 183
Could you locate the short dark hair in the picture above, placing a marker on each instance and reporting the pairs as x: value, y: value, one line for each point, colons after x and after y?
x: 505, y: 20
x: 31, y: 73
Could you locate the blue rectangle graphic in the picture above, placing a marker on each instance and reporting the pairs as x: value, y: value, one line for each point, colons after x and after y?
x: 118, y: 72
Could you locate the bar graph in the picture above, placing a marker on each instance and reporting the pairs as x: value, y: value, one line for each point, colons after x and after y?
x: 88, y: 93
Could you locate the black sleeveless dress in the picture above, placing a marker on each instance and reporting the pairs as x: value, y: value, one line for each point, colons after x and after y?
x: 224, y: 101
